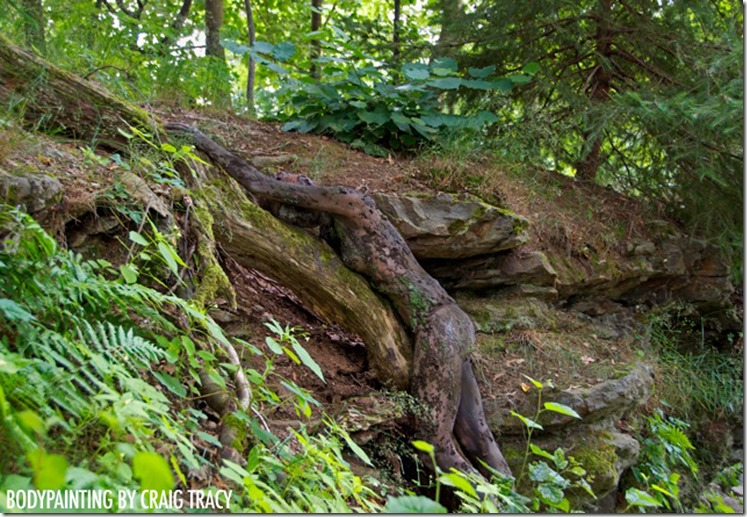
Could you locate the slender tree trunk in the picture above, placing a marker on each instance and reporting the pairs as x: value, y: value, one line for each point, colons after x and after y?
x: 316, y: 24
x: 213, y: 24
x: 396, y: 28
x: 219, y: 87
x: 251, y: 66
x: 598, y: 92
x: 33, y: 25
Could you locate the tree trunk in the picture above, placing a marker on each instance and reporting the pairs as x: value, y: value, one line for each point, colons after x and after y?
x: 452, y: 12
x: 251, y: 66
x: 218, y: 89
x: 316, y: 24
x: 33, y: 25
x: 396, y: 28
x: 59, y: 101
x: 599, y: 91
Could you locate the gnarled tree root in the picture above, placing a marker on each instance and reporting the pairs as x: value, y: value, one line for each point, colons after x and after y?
x: 442, y: 333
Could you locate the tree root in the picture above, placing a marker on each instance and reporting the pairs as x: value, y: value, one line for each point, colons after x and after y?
x: 442, y: 333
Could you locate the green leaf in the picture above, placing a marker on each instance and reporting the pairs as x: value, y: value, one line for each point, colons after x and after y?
x: 401, y: 121
x: 168, y: 254
x: 531, y: 68
x: 273, y: 345
x: 49, y: 470
x: 413, y: 504
x: 263, y: 47
x: 416, y: 71
x: 637, y: 497
x: 444, y: 66
x: 138, y: 239
x: 539, y: 452
x: 378, y: 116
x: 550, y: 494
x: 284, y: 50
x: 562, y: 409
x: 520, y: 78
x: 153, y: 471
x: 537, y: 384
x: 15, y: 312
x: 423, y: 446
x: 531, y: 424
x: 458, y: 481
x: 209, y: 438
x: 129, y: 272
x: 481, y: 73
x: 307, y: 359
x: 172, y: 383
x: 167, y: 148
x: 31, y: 421
x: 356, y: 448
x: 446, y: 83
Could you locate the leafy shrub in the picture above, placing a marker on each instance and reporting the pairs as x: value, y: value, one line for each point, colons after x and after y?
x: 360, y: 102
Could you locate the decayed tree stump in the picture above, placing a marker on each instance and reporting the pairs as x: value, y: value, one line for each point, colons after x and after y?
x: 443, y: 335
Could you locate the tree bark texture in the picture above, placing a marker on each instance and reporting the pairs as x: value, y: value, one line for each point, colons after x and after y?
x: 251, y: 65
x: 316, y: 24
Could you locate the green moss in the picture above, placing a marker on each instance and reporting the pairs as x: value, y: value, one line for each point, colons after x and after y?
x: 240, y: 440
x: 598, y: 457
x: 213, y: 279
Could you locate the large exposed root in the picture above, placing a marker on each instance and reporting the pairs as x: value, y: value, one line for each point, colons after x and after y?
x: 442, y: 333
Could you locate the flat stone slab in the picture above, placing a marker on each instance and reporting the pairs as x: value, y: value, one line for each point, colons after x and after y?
x: 451, y: 227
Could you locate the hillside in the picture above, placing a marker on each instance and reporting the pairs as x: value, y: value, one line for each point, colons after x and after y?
x: 588, y: 293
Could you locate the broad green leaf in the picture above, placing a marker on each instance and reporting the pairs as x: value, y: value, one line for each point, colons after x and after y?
x: 273, y: 345
x: 444, y: 66
x: 49, y: 470
x: 562, y: 409
x: 478, y: 84
x: 129, y: 272
x: 520, y: 78
x: 423, y: 446
x: 458, y: 481
x: 172, y: 383
x: 416, y: 71
x: 531, y: 424
x: 169, y: 256
x: 549, y: 493
x: 307, y: 360
x: 263, y: 47
x: 378, y: 116
x: 284, y: 50
x: 401, y: 121
x: 446, y: 83
x: 153, y: 471
x: 481, y: 73
x: 413, y: 504
x: 637, y: 497
x: 168, y: 148
x: 539, y: 452
x: 31, y: 421
x: 138, y: 239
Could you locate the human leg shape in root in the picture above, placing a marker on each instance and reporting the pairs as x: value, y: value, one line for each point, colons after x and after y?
x: 443, y: 334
